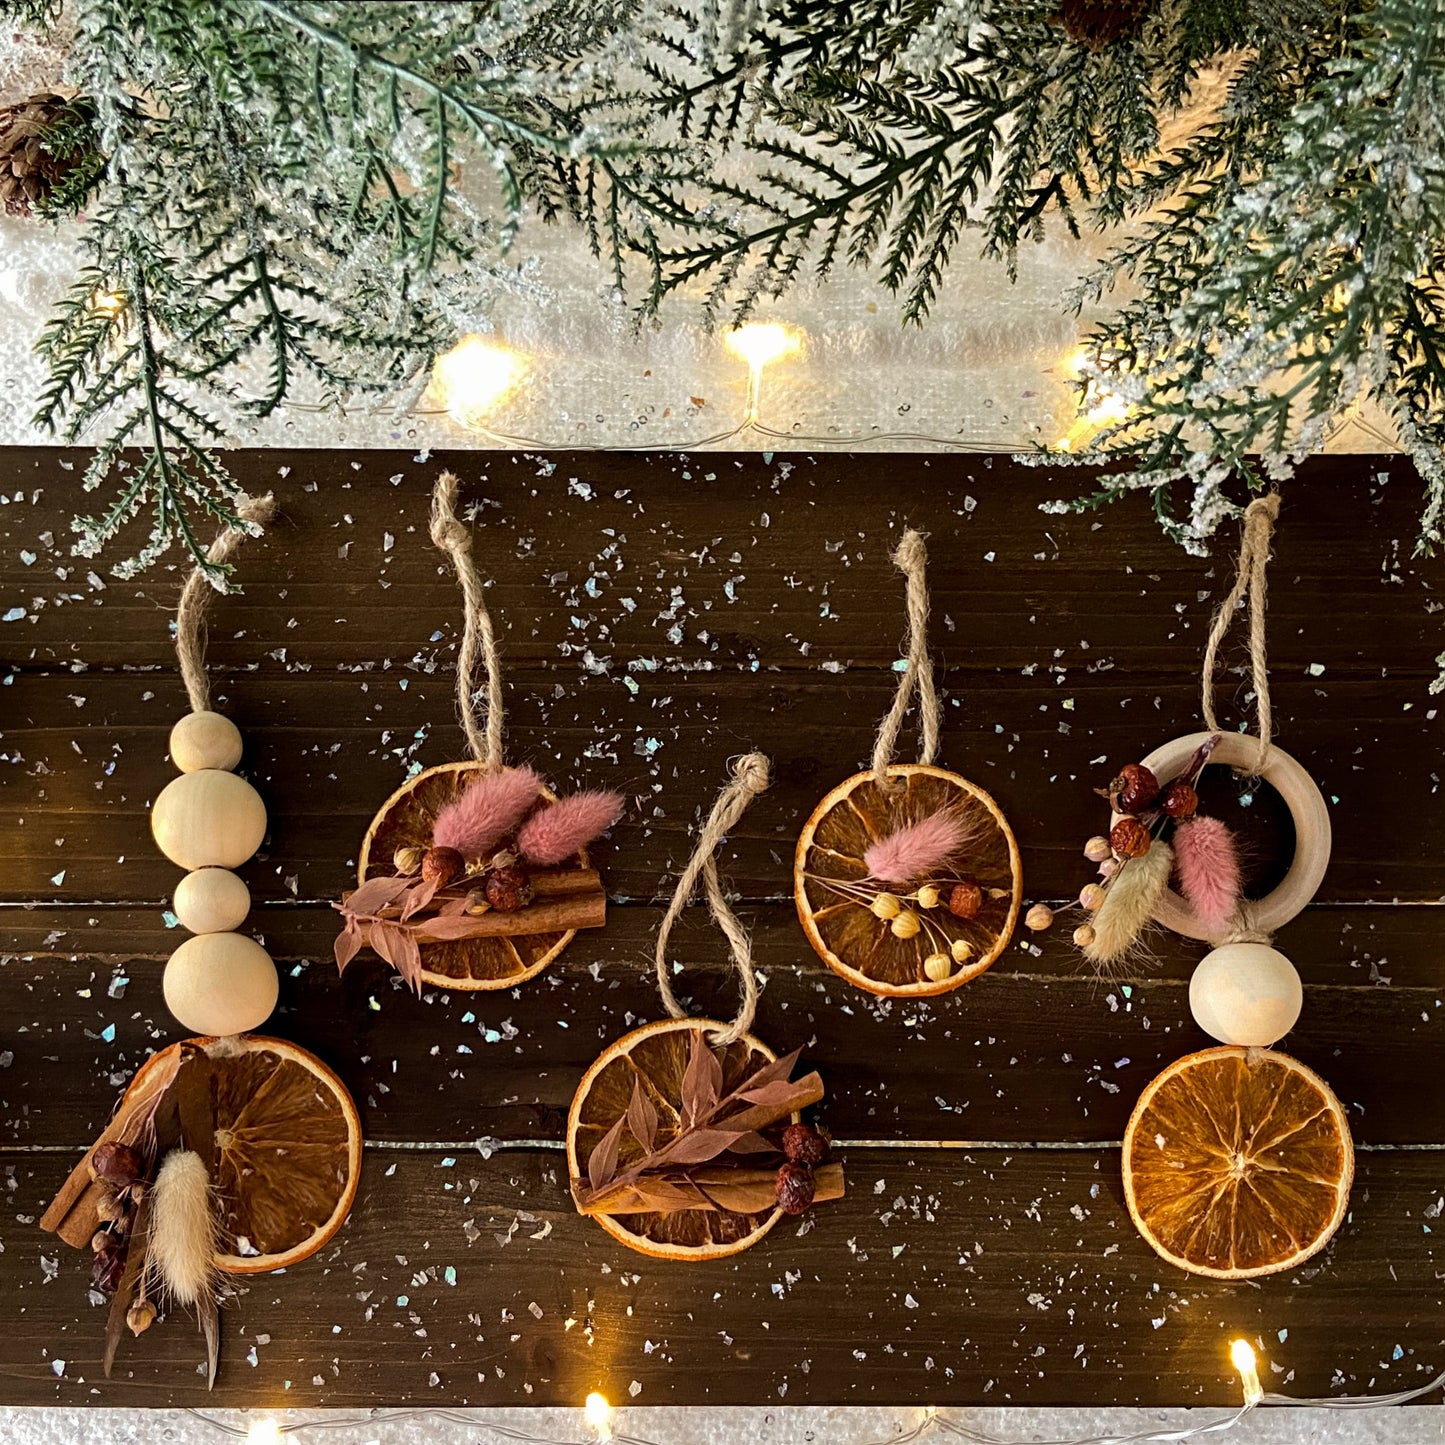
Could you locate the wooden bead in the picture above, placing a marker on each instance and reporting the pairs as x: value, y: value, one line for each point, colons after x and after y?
x: 220, y: 984
x: 205, y: 740
x: 211, y: 900
x: 1245, y: 993
x: 208, y: 819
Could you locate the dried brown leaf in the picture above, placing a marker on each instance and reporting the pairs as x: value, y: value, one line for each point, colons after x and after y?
x: 374, y: 895
x: 642, y: 1117
x: 348, y: 944
x: 416, y: 898
x: 701, y: 1081
x: 602, y: 1162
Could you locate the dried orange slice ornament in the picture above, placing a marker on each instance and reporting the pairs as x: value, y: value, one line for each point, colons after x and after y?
x: 685, y: 1139
x: 1238, y: 1163
x: 474, y: 875
x: 907, y: 877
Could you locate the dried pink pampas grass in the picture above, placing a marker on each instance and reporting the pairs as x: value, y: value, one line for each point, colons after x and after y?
x: 487, y: 811
x: 916, y: 850
x: 1207, y: 862
x: 552, y: 835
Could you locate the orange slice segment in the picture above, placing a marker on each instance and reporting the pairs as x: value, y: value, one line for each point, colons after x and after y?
x: 288, y: 1149
x: 835, y: 895
x: 406, y: 820
x: 657, y: 1054
x: 1238, y: 1163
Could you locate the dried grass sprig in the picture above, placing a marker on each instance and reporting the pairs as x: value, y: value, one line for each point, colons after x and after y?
x: 1207, y: 859
x: 486, y: 812
x: 1129, y: 903
x: 914, y: 851
x: 552, y: 835
x: 183, y: 1230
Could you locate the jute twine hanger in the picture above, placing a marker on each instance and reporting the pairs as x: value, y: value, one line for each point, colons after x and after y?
x: 750, y: 777
x: 254, y: 512
x: 479, y: 637
x: 911, y: 558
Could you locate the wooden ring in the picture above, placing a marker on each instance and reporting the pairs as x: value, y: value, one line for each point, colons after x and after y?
x: 1307, y: 808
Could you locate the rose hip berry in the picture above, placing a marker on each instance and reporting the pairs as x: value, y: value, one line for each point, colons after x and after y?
x: 795, y: 1188
x: 1179, y: 799
x: 965, y: 900
x: 509, y: 889
x: 116, y: 1164
x: 1134, y: 789
x: 439, y: 866
x: 804, y: 1145
x: 1130, y: 838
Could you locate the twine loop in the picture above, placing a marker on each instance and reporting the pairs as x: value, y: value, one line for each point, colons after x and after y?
x: 479, y: 638
x: 750, y: 777
x: 252, y: 514
x: 1250, y: 583
x: 911, y: 558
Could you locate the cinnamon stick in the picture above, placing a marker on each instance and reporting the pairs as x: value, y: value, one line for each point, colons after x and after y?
x: 717, y: 1188
x: 546, y: 915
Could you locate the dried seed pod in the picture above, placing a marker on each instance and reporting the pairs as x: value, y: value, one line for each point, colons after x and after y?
x: 906, y: 925
x: 1097, y: 849
x: 795, y: 1188
x: 927, y: 896
x: 407, y: 861
x: 440, y: 866
x: 961, y: 949
x: 108, y: 1208
x: 1039, y: 917
x: 1084, y: 935
x: 140, y: 1316
x: 1091, y: 896
x: 100, y: 1240
x: 804, y: 1145
x: 965, y: 900
x: 1134, y: 789
x: 885, y: 906
x: 937, y: 967
x: 1130, y: 838
x: 509, y: 889
x: 116, y: 1164
x: 1179, y: 799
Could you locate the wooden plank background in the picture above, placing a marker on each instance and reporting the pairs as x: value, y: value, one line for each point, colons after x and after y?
x: 660, y: 614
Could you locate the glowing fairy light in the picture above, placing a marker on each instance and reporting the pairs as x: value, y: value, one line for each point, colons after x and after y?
x: 597, y: 1412
x: 1242, y: 1357
x: 474, y: 377
x: 1099, y: 408
x: 263, y: 1432
x: 758, y: 343
x: 107, y: 303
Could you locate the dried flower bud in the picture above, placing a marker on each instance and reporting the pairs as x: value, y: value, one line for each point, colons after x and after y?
x: 795, y: 1188
x: 407, y: 861
x: 1091, y: 896
x: 1039, y: 917
x: 116, y: 1164
x: 439, y: 866
x: 937, y: 967
x: 1097, y: 849
x: 140, y: 1316
x: 885, y: 906
x: 107, y: 1267
x: 1130, y: 838
x: 108, y: 1207
x: 906, y: 925
x: 804, y: 1145
x: 1134, y: 789
x: 1179, y: 799
x: 965, y: 900
x: 509, y: 889
x: 961, y: 949
x: 1109, y: 867
x: 928, y: 896
x: 100, y: 1240
x: 1084, y: 935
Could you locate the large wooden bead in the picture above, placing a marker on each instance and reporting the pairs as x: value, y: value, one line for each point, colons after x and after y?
x: 211, y: 900
x: 1245, y: 993
x: 208, y: 819
x: 205, y: 740
x: 220, y: 983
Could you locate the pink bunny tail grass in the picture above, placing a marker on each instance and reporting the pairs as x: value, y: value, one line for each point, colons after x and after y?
x: 1207, y: 862
x: 552, y: 835
x: 916, y: 850
x: 487, y: 811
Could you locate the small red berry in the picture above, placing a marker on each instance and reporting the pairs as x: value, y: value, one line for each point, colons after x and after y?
x: 1134, y: 789
x: 439, y: 866
x: 1129, y: 838
x: 795, y: 1188
x: 116, y: 1164
x: 1179, y: 799
x: 966, y: 900
x: 509, y: 889
x: 804, y: 1145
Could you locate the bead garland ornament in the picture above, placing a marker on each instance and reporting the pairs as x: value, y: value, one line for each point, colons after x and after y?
x: 685, y: 1139
x: 474, y: 875
x: 907, y: 877
x: 229, y: 1153
x: 1237, y: 1160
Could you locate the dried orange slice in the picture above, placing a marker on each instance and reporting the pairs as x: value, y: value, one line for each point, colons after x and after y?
x: 1237, y: 1163
x: 837, y: 901
x: 657, y: 1054
x: 288, y: 1148
x: 406, y: 820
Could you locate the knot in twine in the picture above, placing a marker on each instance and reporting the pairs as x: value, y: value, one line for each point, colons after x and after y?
x: 252, y: 514
x: 1250, y: 581
x: 750, y: 777
x: 911, y: 558
x: 479, y: 639
x: 1245, y: 929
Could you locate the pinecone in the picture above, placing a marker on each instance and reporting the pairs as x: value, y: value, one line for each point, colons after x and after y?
x: 1099, y: 24
x: 43, y: 141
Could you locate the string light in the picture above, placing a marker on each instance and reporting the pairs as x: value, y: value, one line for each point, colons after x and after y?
x: 1241, y: 1355
x: 474, y: 377
x: 263, y: 1432
x: 107, y: 303
x: 758, y: 343
x: 597, y: 1413
x: 1099, y: 408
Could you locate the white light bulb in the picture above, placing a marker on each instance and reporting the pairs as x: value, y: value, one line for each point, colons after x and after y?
x: 473, y: 377
x: 263, y: 1432
x: 758, y: 343
x: 598, y: 1414
x: 1242, y: 1357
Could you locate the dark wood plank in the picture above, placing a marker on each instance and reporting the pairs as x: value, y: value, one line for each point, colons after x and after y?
x: 987, y: 1278
x: 87, y: 754
x: 731, y: 561
x: 975, y: 1065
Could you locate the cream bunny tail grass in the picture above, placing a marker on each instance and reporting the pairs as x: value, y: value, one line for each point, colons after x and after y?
x: 1129, y: 904
x: 182, y: 1252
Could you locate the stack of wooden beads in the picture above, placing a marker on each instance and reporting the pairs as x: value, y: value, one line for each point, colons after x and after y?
x: 209, y: 821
